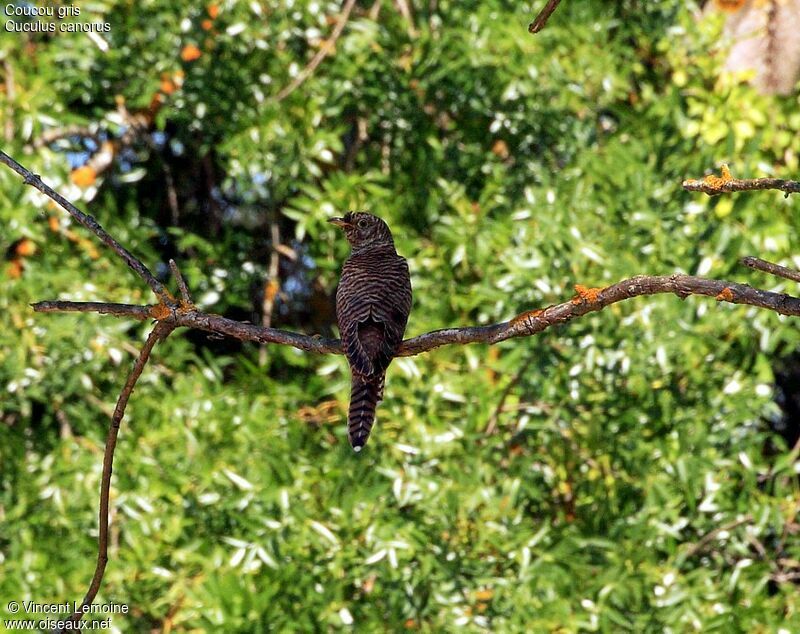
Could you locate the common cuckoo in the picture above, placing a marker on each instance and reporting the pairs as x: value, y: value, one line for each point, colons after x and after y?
x: 372, y: 307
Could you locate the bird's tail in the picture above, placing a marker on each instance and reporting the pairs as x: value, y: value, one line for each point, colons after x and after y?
x: 364, y: 396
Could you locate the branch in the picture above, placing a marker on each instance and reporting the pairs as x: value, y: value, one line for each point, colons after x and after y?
x: 171, y: 313
x: 160, y: 332
x: 771, y: 268
x: 190, y: 317
x: 139, y: 313
x: 91, y: 224
x: 182, y: 287
x: 716, y: 185
x: 540, y: 20
x: 524, y: 325
x: 325, y: 49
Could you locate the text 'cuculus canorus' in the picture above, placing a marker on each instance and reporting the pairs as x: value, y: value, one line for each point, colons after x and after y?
x: 372, y: 307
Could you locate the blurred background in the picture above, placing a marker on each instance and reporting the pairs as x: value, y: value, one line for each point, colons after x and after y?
x: 630, y: 471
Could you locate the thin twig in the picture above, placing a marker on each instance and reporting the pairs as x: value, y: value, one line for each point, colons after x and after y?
x: 172, y: 194
x: 523, y: 325
x: 742, y: 185
x: 716, y: 185
x: 771, y: 268
x: 160, y: 332
x: 325, y: 49
x: 540, y: 20
x: 91, y: 224
x: 182, y: 287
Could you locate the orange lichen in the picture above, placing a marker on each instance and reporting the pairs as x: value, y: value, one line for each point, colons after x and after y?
x: 25, y: 247
x: 159, y: 311
x: 525, y: 317
x: 718, y: 181
x: 83, y: 176
x: 186, y: 307
x: 190, y: 53
x: 725, y: 295
x: 586, y: 294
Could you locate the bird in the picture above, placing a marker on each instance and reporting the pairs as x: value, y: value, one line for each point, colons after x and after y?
x: 373, y: 303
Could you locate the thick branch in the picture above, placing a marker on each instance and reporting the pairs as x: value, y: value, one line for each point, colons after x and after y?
x: 91, y: 224
x: 524, y: 325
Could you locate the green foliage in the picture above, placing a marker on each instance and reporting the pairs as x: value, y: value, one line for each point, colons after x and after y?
x: 510, y: 168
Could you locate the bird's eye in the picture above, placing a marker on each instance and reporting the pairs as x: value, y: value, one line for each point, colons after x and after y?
x: 362, y: 224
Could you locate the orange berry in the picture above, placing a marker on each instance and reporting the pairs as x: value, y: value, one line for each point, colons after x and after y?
x: 190, y: 53
x: 167, y: 86
x: 83, y: 176
x: 25, y: 247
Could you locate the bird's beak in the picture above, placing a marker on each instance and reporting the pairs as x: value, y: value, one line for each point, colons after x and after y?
x: 339, y: 222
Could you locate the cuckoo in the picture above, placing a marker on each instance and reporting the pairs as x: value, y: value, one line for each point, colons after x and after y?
x: 372, y: 306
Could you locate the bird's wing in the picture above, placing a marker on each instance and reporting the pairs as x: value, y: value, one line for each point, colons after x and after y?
x: 392, y: 309
x: 372, y: 307
x: 353, y: 301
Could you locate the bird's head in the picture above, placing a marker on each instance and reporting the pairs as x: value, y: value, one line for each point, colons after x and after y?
x: 363, y: 230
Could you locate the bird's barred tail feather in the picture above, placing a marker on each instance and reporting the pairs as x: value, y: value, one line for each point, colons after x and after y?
x: 364, y: 396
